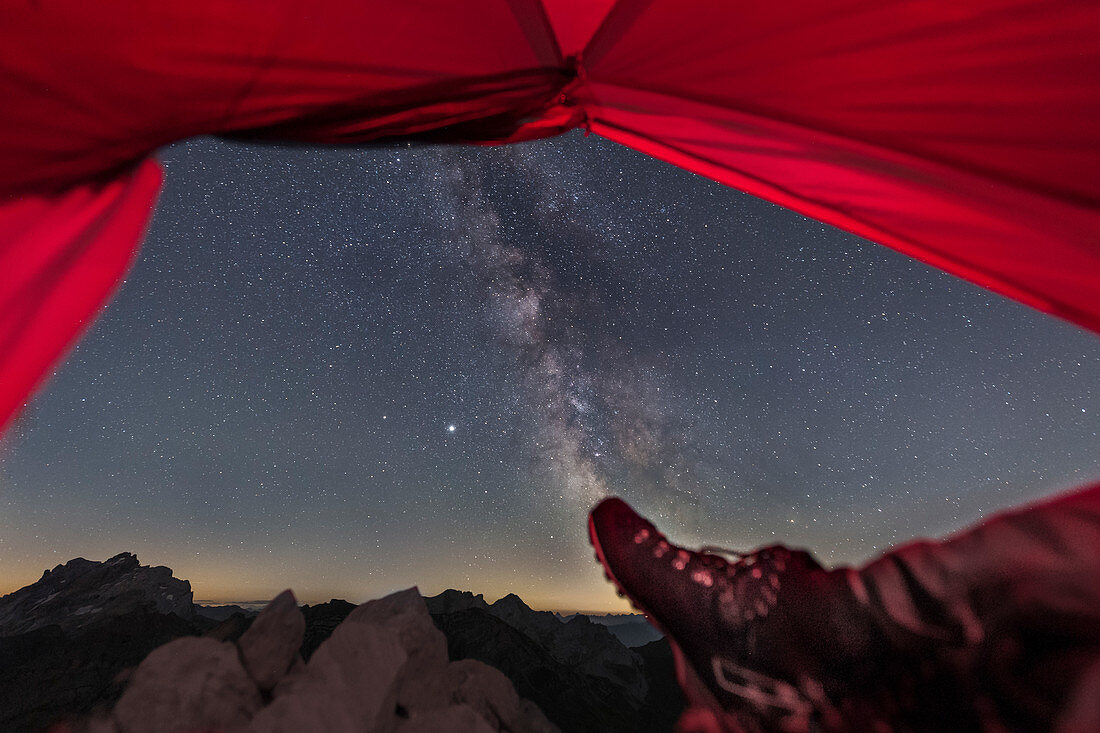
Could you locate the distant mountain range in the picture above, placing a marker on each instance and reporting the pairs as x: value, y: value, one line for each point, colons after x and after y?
x: 69, y: 642
x: 632, y: 629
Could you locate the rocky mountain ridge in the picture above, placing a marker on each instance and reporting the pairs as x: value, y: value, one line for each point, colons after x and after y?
x: 81, y: 592
x: 92, y: 638
x: 578, y: 643
x: 632, y: 629
x: 384, y: 668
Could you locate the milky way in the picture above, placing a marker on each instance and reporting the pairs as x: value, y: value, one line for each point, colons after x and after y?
x: 351, y: 371
x: 595, y: 420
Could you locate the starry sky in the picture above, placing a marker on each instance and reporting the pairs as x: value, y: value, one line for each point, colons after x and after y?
x: 351, y: 371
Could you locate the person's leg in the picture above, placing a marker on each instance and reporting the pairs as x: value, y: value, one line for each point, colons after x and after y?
x: 991, y: 629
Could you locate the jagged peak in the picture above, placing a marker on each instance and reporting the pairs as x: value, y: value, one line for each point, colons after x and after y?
x: 452, y: 600
x: 511, y: 600
x: 123, y: 558
x: 463, y: 593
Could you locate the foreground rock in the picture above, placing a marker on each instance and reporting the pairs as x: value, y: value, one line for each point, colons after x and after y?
x: 270, y: 645
x: 82, y: 593
x: 188, y: 684
x: 384, y: 668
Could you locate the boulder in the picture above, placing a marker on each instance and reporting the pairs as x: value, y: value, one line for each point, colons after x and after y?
x: 385, y: 668
x: 349, y: 685
x: 271, y: 643
x: 186, y: 685
x: 453, y: 719
x: 489, y: 693
x: 296, y: 671
x: 231, y: 629
x: 405, y: 615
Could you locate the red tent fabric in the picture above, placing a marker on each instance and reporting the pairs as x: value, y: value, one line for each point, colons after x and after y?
x: 61, y: 258
x: 963, y: 134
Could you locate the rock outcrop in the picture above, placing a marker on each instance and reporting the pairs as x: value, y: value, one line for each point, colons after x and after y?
x: 270, y: 645
x: 186, y: 685
x: 82, y: 593
x: 384, y: 668
x: 66, y: 640
x: 115, y: 647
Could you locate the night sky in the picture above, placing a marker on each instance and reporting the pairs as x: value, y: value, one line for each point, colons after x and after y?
x: 351, y: 371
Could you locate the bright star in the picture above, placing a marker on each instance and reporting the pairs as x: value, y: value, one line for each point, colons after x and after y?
x: 450, y: 428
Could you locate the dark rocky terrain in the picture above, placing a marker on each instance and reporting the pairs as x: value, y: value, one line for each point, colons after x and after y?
x: 221, y: 613
x: 321, y: 620
x: 66, y: 641
x: 72, y: 648
x: 577, y: 671
x: 582, y: 646
x: 631, y: 629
